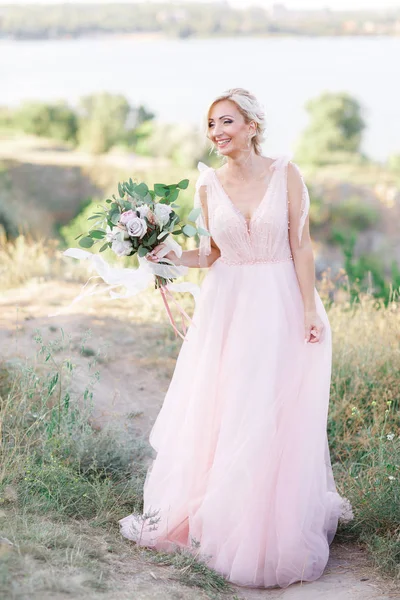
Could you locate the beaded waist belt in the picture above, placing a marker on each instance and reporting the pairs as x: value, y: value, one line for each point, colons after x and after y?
x: 254, y: 261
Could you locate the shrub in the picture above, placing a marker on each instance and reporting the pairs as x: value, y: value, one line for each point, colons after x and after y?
x: 57, y: 121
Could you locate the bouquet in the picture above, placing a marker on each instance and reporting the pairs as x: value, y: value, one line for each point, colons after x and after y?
x: 135, y: 222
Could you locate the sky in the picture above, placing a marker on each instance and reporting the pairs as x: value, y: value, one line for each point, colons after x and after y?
x: 298, y: 4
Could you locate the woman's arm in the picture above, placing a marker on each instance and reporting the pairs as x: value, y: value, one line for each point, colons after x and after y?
x: 302, y: 252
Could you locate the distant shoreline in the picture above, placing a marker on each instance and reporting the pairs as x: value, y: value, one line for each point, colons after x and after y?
x: 158, y: 36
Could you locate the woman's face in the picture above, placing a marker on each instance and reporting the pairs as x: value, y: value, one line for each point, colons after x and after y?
x: 227, y: 128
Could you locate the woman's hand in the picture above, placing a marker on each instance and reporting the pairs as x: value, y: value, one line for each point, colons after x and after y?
x: 314, y: 327
x: 156, y: 255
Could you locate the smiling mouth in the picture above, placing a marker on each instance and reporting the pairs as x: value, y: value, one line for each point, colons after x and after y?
x: 223, y: 143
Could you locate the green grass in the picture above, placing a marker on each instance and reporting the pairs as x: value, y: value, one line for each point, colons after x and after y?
x: 364, y: 424
x: 64, y: 484
x: 57, y: 472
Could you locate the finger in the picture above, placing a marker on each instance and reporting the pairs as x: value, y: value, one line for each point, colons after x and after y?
x: 307, y: 334
x: 315, y: 335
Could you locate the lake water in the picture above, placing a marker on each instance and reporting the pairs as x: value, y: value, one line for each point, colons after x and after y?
x: 176, y: 79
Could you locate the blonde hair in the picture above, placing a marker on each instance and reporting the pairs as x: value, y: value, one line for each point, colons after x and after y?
x: 250, y: 109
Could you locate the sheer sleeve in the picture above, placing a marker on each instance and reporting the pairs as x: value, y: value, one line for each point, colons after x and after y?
x: 200, y: 201
x: 299, y: 207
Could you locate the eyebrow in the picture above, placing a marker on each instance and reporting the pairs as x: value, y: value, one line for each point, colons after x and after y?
x: 223, y: 116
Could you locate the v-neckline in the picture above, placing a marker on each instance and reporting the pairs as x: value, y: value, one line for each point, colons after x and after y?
x: 247, y: 222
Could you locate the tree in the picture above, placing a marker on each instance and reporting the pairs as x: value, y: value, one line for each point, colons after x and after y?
x: 57, y: 121
x: 103, y: 121
x: 335, y: 129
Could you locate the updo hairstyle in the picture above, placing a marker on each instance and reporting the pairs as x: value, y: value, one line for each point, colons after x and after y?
x: 250, y: 109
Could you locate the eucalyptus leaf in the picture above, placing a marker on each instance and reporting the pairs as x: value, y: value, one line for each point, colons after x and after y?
x: 148, y: 198
x: 173, y: 195
x: 194, y: 213
x: 114, y: 217
x: 142, y: 189
x: 104, y: 247
x: 189, y: 230
x: 142, y: 251
x: 183, y: 184
x: 86, y: 242
x: 160, y: 189
x: 177, y: 232
x: 152, y: 238
x: 78, y: 236
x: 97, y: 234
x: 202, y: 231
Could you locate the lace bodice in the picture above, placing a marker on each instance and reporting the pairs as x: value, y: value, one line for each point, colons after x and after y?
x: 265, y: 237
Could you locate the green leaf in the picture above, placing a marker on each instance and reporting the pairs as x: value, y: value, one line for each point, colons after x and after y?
x: 152, y: 238
x: 177, y: 232
x: 173, y: 195
x: 194, y: 213
x: 94, y: 217
x: 108, y: 201
x: 142, y: 251
x: 160, y: 189
x: 78, y: 236
x: 175, y: 205
x: 86, y: 242
x: 104, y: 247
x: 189, y: 230
x: 142, y: 189
x: 121, y: 190
x: 202, y: 231
x: 114, y: 217
x: 183, y: 184
x: 97, y: 234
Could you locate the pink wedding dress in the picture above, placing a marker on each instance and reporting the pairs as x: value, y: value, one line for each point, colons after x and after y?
x: 243, y: 473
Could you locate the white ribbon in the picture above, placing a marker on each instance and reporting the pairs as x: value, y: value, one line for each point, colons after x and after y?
x: 133, y: 280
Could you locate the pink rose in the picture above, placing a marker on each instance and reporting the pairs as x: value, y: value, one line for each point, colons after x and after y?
x: 127, y: 216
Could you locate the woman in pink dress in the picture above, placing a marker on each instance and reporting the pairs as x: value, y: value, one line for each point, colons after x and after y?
x: 242, y: 469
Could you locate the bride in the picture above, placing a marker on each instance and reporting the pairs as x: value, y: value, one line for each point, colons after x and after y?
x: 242, y: 465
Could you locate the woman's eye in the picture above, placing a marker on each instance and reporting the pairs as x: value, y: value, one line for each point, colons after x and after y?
x: 227, y: 121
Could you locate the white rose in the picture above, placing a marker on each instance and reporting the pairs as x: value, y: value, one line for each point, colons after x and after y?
x: 136, y: 227
x: 121, y: 248
x: 162, y: 212
x: 143, y: 210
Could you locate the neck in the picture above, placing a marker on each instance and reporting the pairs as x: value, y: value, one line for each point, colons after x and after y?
x: 244, y: 165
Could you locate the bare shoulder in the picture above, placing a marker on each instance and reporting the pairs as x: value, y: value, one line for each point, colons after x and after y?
x: 294, y: 177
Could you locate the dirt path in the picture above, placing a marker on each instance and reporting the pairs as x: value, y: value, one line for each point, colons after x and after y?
x: 144, y: 355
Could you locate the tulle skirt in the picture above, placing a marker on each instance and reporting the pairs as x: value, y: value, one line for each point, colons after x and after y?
x: 242, y: 472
